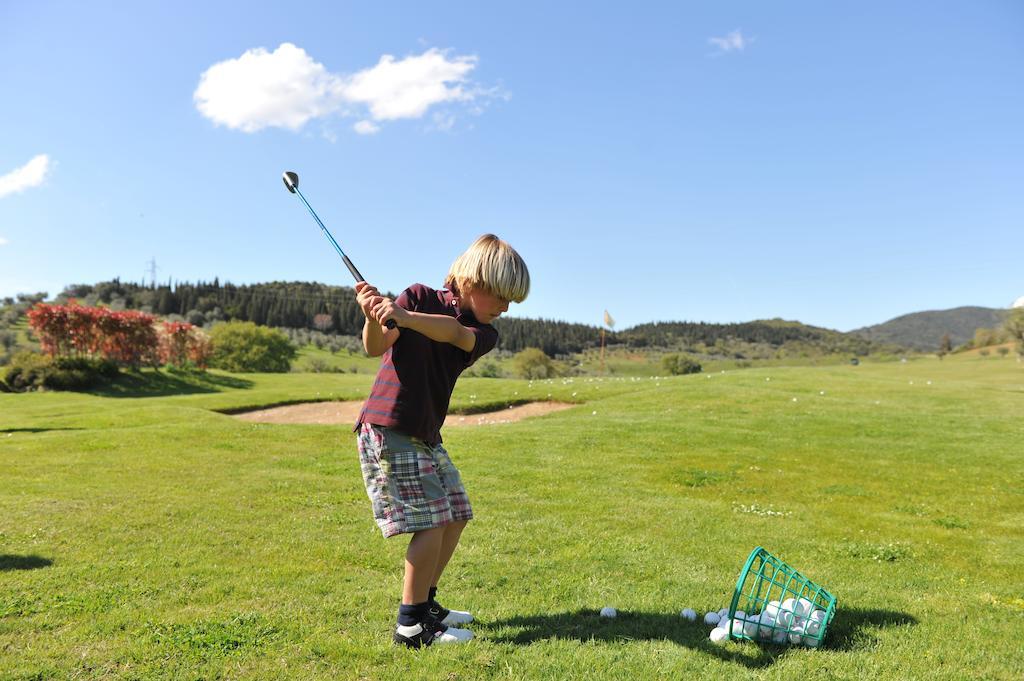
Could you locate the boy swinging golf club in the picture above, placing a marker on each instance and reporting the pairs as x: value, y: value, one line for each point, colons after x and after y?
x: 426, y: 337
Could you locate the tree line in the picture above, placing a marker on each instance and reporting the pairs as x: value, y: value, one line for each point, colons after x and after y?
x: 774, y: 333
x: 333, y: 309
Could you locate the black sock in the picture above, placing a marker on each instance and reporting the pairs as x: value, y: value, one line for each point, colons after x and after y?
x: 432, y: 598
x: 409, y: 615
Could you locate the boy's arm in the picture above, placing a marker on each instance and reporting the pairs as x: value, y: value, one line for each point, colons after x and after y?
x: 376, y: 338
x: 440, y: 328
x: 436, y: 327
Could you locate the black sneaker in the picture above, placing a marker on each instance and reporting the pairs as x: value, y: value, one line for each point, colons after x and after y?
x: 449, y: 617
x: 428, y: 632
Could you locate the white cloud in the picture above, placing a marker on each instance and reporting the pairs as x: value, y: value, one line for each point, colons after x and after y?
x: 3, y: 241
x: 407, y: 88
x: 366, y: 127
x: 32, y: 174
x: 286, y: 88
x: 732, y: 42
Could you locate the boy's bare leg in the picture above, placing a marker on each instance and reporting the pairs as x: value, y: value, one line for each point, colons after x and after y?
x: 452, y: 532
x: 421, y: 561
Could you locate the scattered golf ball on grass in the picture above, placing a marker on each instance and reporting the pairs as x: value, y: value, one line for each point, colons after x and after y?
x: 689, y: 614
x: 608, y: 611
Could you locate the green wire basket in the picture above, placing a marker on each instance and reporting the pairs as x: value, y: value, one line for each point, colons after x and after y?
x: 773, y: 603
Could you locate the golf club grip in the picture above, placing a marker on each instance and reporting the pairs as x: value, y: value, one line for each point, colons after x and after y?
x: 351, y: 267
x: 355, y: 273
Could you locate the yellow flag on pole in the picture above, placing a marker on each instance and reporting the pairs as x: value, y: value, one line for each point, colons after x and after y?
x: 609, y: 322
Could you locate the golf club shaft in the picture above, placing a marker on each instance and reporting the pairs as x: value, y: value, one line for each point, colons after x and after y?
x: 292, y: 183
x: 327, y: 233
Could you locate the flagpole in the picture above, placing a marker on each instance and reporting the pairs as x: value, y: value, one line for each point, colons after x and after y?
x: 609, y: 322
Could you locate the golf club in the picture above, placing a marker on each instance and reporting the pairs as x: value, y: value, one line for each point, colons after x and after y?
x: 291, y: 181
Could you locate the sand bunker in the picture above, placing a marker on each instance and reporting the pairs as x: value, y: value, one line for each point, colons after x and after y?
x: 335, y: 413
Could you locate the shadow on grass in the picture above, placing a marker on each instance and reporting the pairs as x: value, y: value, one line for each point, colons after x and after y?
x: 10, y: 562
x: 588, y: 625
x: 34, y: 430
x: 851, y: 630
x: 164, y: 383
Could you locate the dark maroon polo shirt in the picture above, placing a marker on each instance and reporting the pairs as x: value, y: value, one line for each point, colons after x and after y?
x: 417, y: 375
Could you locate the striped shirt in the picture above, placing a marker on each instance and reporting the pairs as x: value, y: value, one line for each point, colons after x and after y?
x: 417, y: 375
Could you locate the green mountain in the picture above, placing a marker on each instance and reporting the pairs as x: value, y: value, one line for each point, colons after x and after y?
x: 924, y: 330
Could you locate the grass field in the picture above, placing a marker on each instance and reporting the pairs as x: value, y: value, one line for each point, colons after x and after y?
x: 145, y: 535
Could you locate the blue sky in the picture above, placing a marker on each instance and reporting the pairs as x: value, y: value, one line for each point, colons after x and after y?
x: 835, y: 164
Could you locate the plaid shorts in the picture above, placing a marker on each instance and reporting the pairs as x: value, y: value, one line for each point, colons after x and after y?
x: 412, y: 486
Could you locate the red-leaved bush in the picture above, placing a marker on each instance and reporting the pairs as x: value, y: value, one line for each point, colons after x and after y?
x: 129, y: 338
x: 181, y: 343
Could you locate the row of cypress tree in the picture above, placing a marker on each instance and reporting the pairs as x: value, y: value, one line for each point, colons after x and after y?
x: 298, y: 304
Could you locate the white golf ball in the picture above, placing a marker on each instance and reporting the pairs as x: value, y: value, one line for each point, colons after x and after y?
x: 724, y: 612
x: 689, y: 614
x: 764, y: 632
x: 817, y: 616
x: 811, y: 642
x: 712, y: 618
x: 719, y: 635
x: 801, y: 607
x: 780, y: 636
x: 739, y: 628
x: 608, y: 612
x: 784, y: 619
x: 750, y: 627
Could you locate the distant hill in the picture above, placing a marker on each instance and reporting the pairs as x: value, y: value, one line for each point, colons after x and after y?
x: 769, y: 332
x: 924, y: 330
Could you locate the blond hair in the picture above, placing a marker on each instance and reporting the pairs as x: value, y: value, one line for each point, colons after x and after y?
x: 492, y: 265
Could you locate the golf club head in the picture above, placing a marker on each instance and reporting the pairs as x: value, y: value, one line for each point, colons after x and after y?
x: 291, y: 180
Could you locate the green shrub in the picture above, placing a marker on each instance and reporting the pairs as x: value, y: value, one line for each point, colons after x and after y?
x: 27, y: 371
x: 31, y: 371
x: 532, y: 363
x: 677, y: 365
x: 488, y: 369
x: 244, y: 346
x: 79, y: 373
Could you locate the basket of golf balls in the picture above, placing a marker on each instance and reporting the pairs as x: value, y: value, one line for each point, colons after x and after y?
x: 773, y: 603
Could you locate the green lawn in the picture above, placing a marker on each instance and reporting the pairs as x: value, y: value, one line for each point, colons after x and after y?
x: 311, y: 358
x: 145, y: 535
